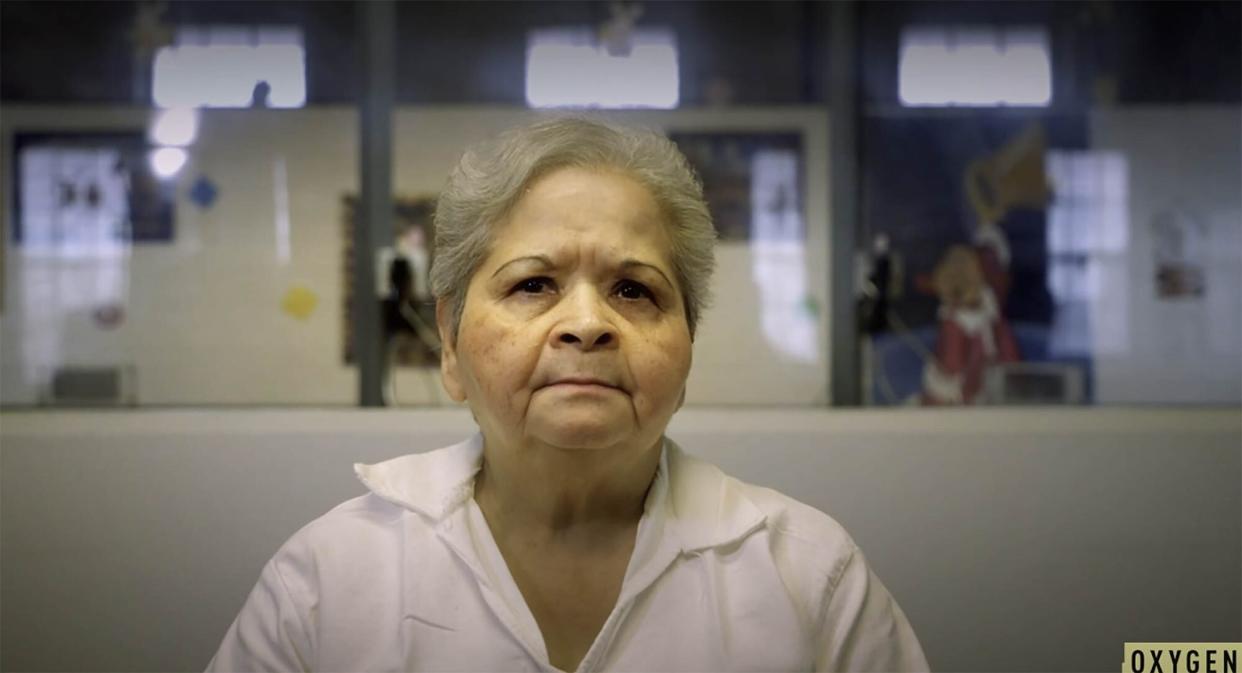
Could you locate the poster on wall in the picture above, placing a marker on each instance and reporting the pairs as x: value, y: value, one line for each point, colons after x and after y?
x: 745, y: 173
x: 402, y: 284
x: 1180, y: 249
x: 83, y: 194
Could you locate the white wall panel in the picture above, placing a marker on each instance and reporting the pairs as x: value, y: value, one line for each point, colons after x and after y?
x: 1014, y: 540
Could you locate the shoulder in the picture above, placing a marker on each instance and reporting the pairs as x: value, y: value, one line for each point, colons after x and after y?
x: 799, y: 522
x: 803, y: 540
x: 406, y: 496
x: 365, y: 516
x: 365, y: 530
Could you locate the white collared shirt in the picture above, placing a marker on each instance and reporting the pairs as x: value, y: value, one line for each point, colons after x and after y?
x: 724, y: 576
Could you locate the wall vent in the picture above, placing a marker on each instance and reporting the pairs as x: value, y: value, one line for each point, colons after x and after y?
x: 93, y: 386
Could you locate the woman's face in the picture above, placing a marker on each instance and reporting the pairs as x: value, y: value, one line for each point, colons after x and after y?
x: 573, y: 333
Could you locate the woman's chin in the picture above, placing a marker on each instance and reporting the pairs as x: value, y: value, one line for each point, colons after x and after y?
x: 584, y: 434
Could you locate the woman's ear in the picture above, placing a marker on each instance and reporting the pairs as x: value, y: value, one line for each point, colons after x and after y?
x: 449, y: 374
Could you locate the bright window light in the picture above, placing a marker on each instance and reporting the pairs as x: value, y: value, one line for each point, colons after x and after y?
x: 175, y: 127
x: 75, y: 201
x: 166, y: 161
x: 570, y: 68
x: 1088, y: 239
x: 940, y: 66
x: 779, y: 255
x: 232, y: 67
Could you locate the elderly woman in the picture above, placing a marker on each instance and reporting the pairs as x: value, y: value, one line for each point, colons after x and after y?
x: 570, y: 534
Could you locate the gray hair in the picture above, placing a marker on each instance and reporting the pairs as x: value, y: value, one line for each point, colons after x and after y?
x: 492, y: 176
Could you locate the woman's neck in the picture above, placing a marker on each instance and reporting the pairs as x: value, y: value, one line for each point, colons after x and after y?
x: 558, y: 495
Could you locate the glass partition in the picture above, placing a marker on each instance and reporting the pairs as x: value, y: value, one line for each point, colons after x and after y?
x: 1047, y: 201
x: 173, y: 222
x: 1082, y: 246
x: 211, y: 277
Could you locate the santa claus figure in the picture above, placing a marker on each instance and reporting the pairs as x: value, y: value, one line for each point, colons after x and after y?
x: 971, y: 282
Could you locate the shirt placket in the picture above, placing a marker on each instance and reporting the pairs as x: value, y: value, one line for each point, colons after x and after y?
x: 454, y: 531
x: 654, y: 552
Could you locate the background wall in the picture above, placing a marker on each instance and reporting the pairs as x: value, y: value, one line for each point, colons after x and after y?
x: 203, y: 320
x: 1014, y: 540
x: 1182, y: 167
x: 203, y: 323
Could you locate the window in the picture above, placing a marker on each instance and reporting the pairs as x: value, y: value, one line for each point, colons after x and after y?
x: 575, y: 67
x: 226, y: 66
x: 1088, y: 243
x: 88, y: 195
x: 941, y: 66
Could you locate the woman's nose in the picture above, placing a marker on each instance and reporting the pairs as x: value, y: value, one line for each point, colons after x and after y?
x: 585, y: 324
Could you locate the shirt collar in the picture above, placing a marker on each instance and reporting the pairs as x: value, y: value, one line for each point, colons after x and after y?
x: 690, y: 498
x: 433, y: 484
x: 706, y: 507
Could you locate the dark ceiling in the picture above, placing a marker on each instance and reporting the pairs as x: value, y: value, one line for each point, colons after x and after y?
x: 767, y: 52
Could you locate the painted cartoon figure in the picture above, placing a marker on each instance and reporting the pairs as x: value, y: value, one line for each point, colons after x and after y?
x: 972, y: 281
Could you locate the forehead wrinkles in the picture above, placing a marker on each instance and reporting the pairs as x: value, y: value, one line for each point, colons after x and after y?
x: 573, y: 255
x: 575, y: 216
x: 604, y: 245
x: 577, y: 253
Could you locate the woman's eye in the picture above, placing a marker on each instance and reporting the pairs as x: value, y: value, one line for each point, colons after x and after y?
x: 629, y: 289
x: 533, y: 285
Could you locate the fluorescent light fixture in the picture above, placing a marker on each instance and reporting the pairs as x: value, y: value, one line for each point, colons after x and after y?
x: 982, y: 67
x: 568, y: 67
x: 175, y: 127
x: 167, y: 161
x: 227, y: 67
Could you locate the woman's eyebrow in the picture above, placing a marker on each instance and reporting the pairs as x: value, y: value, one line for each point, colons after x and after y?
x: 543, y: 260
x: 547, y: 263
x: 631, y: 263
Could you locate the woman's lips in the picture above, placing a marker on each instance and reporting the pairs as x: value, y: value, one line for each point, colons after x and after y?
x: 582, y: 384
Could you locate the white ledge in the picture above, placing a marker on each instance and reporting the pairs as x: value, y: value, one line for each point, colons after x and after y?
x: 1002, y: 421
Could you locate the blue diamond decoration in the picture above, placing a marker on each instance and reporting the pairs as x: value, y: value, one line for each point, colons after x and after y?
x: 204, y: 192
